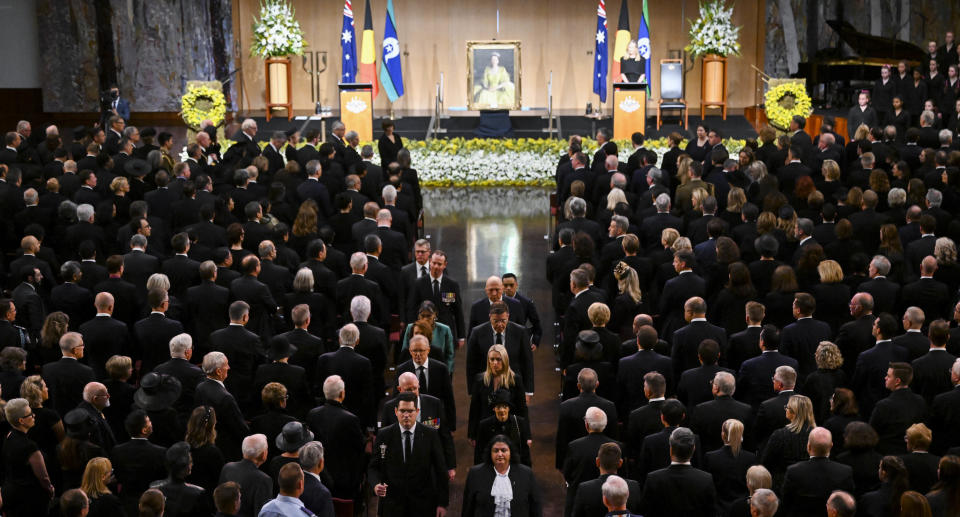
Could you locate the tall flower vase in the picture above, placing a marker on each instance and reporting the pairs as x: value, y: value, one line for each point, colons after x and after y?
x: 713, y: 84
x: 279, y: 94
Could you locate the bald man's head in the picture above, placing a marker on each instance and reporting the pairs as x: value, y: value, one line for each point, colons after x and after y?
x: 929, y: 266
x: 819, y: 442
x: 104, y: 302
x: 494, y: 288
x: 408, y: 382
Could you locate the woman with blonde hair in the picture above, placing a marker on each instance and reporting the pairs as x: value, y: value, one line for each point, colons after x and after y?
x: 820, y: 384
x: 120, y: 187
x: 914, y: 504
x: 629, y: 302
x: 683, y: 169
x: 438, y: 334
x: 788, y: 444
x: 830, y: 170
x: 729, y: 464
x: 96, y: 476
x: 948, y: 272
x: 497, y: 376
x: 47, y: 430
x: 833, y: 297
x: 736, y: 198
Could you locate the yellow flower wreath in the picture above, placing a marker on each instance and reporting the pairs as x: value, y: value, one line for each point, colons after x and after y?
x: 779, y: 116
x: 193, y: 115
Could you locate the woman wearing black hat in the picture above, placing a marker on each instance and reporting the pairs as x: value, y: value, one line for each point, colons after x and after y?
x: 26, y: 487
x: 76, y: 449
x: 156, y: 396
x: 181, y: 498
x: 293, y: 436
x: 503, y: 423
x: 501, y: 485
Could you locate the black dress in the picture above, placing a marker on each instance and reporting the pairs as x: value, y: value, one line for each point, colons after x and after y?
x: 481, y: 406
x: 516, y: 428
x: 207, y: 463
x: 632, y: 68
x: 819, y: 386
x: 697, y: 152
x: 23, y: 495
x: 388, y: 150
x: 106, y: 505
x: 784, y: 448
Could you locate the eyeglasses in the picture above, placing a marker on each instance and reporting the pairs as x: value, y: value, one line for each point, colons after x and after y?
x: 28, y: 415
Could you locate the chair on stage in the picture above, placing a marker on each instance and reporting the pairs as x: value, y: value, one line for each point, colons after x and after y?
x: 671, y: 89
x: 343, y: 507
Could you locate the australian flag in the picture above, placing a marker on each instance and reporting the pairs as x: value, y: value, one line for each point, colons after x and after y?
x: 348, y: 42
x: 600, y: 63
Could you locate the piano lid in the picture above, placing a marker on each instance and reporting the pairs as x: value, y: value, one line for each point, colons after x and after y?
x: 869, y: 46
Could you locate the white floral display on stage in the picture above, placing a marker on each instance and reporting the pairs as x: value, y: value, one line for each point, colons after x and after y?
x: 277, y: 33
x: 714, y: 32
x: 488, y: 202
x: 514, y: 162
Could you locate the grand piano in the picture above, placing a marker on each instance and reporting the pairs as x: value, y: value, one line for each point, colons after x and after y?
x: 832, y: 77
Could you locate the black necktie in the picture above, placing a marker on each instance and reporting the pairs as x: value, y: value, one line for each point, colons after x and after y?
x: 499, y: 339
x: 436, y: 290
x: 423, y: 270
x: 407, y: 451
x: 422, y: 375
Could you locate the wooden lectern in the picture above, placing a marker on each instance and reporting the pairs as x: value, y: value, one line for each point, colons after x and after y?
x: 356, y: 108
x: 629, y: 109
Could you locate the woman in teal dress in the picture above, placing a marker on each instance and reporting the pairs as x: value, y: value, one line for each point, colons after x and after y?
x: 439, y: 335
x: 496, y: 90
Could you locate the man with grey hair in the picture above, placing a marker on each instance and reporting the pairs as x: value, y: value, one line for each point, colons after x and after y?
x: 807, y: 485
x: 357, y: 373
x: 570, y: 424
x: 885, y: 292
x: 231, y: 426
x: 580, y: 460
x: 256, y: 487
x: 579, y: 222
x: 763, y: 503
x: 576, y: 317
x: 350, y: 155
x: 912, y: 340
x: 615, y: 494
x: 316, y: 497
x: 337, y: 132
x: 333, y: 424
x: 708, y: 417
x: 652, y: 226
x: 679, y: 489
x: 242, y: 153
x: 67, y: 377
x: 96, y: 398
x: 357, y: 284
x: 180, y: 367
x: 373, y: 343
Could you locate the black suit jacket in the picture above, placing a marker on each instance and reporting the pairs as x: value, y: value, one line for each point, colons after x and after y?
x: 244, y: 351
x: 207, y: 304
x: 854, y: 337
x: 575, y: 319
x: 480, y: 313
x: 262, y: 304
x: 74, y: 300
x: 331, y: 423
x: 103, y: 337
x: 729, y: 473
x: 945, y: 419
x: 439, y: 385
x: 579, y: 463
x: 478, y: 501
x: 517, y: 342
x: 395, y: 249
x: 136, y: 464
x: 386, y: 278
x: 570, y: 425
x: 931, y: 374
x: 449, y: 305
x: 309, y: 348
x: 125, y: 305
x: 255, y: 485
x: 359, y: 285
x: 417, y: 486
x: 30, y: 311
x: 189, y: 376
x: 231, y: 426
x: 708, y: 418
x: 696, y: 385
x: 356, y: 372
x: 869, y: 372
x: 183, y: 273
x: 771, y: 416
x: 373, y: 345
x: 893, y: 415
x: 293, y: 378
x: 678, y: 490
x: 754, y: 383
x: 686, y: 340
x: 915, y: 343
x: 137, y: 268
x: 885, y: 292
x: 930, y: 295
x: 153, y: 335
x: 676, y: 292
x: 742, y: 346
x: 433, y: 415
x: 630, y: 374
x: 65, y: 380
x: 808, y: 484
x: 91, y: 274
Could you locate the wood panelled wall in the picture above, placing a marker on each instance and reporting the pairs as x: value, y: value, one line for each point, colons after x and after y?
x: 556, y: 35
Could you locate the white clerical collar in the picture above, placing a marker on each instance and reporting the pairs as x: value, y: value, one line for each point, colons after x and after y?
x: 656, y: 399
x: 679, y: 463
x: 698, y: 319
x: 914, y: 330
x: 104, y: 314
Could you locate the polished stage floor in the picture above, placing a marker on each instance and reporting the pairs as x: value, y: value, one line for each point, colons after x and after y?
x: 491, y: 231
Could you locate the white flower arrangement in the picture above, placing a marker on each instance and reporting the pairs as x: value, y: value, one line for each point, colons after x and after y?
x: 451, y: 202
x: 714, y: 32
x: 277, y: 33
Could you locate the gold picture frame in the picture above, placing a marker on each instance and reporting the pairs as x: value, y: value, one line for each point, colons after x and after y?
x: 493, y: 86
